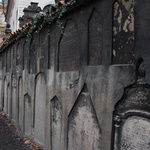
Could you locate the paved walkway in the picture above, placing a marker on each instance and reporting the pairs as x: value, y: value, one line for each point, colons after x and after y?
x: 8, y: 137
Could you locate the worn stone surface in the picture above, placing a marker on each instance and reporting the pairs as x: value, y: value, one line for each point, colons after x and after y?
x: 27, y: 114
x: 40, y: 101
x: 20, y: 103
x: 42, y: 78
x: 132, y: 118
x: 84, y: 130
x: 123, y: 32
x: 56, y: 112
x: 135, y: 134
x: 14, y: 99
x: 69, y: 48
x: 95, y: 39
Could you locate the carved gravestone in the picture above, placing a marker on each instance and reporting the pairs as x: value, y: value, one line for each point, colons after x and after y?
x: 9, y: 99
x: 69, y: 48
x: 20, y: 103
x: 56, y: 113
x: 14, y: 98
x: 8, y: 58
x: 95, y: 39
x: 26, y: 47
x: 132, y: 120
x: 33, y: 53
x: 84, y: 130
x: 5, y: 95
x: 40, y: 104
x: 27, y: 114
x: 44, y: 43
x: 19, y: 52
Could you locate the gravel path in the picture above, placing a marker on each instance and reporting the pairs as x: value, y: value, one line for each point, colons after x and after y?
x: 9, y: 139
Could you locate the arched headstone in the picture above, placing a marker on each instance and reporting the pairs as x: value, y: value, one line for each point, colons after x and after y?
x: 95, y: 29
x: 5, y: 95
x: 40, y: 104
x: 9, y: 100
x: 132, y: 120
x: 56, y: 113
x: 132, y: 115
x: 14, y: 98
x: 20, y: 103
x: 27, y: 114
x: 69, y: 48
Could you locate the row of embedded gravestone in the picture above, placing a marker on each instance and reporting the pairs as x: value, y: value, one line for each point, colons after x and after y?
x: 79, y: 115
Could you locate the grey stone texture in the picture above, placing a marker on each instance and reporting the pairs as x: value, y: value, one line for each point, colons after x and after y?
x: 86, y: 89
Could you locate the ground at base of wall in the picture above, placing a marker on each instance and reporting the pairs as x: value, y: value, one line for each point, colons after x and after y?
x: 10, y: 138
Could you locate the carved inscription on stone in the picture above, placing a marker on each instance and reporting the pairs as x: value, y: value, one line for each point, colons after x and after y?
x: 136, y: 134
x: 69, y: 48
x: 56, y: 124
x: 95, y: 39
x: 84, y: 132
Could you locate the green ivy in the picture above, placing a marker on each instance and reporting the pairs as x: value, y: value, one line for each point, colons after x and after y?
x: 54, y: 12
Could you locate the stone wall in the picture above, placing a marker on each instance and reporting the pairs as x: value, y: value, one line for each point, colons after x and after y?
x: 86, y: 89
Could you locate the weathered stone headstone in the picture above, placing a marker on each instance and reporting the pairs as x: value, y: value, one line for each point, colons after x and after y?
x: 14, y: 98
x: 69, y: 48
x: 40, y: 102
x: 84, y: 130
x: 9, y: 100
x: 95, y: 39
x: 135, y: 134
x: 27, y: 114
x: 21, y: 103
x: 26, y: 54
x: 56, y: 114
x: 5, y: 95
x: 32, y: 54
x: 43, y: 58
x: 8, y: 62
x: 132, y: 122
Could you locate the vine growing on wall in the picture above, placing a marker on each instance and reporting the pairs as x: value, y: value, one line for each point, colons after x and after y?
x: 53, y: 13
